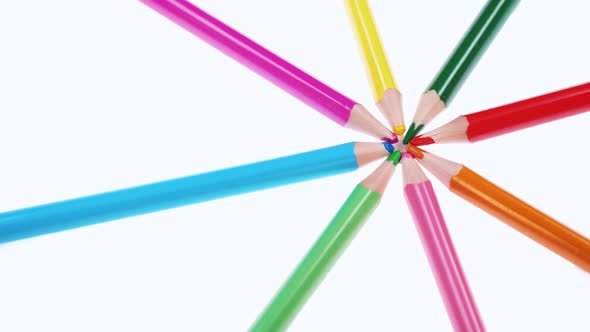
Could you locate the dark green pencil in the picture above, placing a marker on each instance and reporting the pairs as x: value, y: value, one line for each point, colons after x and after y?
x: 458, y: 66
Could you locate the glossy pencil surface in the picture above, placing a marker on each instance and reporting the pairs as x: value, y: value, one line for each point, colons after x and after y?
x: 523, y: 217
x: 321, y: 257
x: 456, y: 69
x: 54, y: 217
x: 384, y: 87
x: 341, y: 230
x: 527, y: 113
x: 511, y: 117
x: 471, y: 48
x: 508, y: 208
x: 371, y: 48
x: 303, y: 86
x: 439, y: 248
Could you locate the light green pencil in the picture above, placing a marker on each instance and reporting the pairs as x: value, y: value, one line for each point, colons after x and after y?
x: 342, y: 229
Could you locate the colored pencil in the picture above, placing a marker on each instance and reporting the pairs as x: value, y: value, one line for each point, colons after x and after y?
x: 331, y: 244
x: 455, y: 71
x: 505, y: 119
x: 385, y: 90
x: 331, y: 103
x: 59, y: 216
x: 508, y: 208
x: 439, y: 248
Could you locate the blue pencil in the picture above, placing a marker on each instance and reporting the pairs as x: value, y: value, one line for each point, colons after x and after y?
x: 78, y: 212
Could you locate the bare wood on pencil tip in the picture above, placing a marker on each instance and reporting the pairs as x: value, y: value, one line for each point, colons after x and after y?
x: 399, y: 145
x: 443, y: 169
x: 378, y: 180
x: 390, y: 106
x: 451, y: 132
x: 411, y: 172
x: 367, y: 152
x: 385, y: 92
x: 361, y: 120
x: 511, y: 210
x: 512, y: 117
x: 429, y: 106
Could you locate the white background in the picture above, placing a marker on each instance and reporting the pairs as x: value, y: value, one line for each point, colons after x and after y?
x: 100, y: 95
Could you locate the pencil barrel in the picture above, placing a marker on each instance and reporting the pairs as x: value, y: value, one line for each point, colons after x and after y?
x: 443, y: 259
x: 173, y: 193
x: 470, y: 49
x: 523, y: 217
x: 369, y: 43
x: 265, y: 63
x: 528, y: 113
x: 318, y: 261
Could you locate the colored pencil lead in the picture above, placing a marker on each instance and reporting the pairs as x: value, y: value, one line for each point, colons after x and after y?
x: 392, y: 140
x: 413, y: 131
x: 389, y: 147
x: 395, y: 157
x: 409, y: 132
x: 399, y: 130
x: 415, y: 151
x: 422, y: 140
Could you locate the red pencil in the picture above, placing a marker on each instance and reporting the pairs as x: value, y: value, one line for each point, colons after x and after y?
x: 512, y: 117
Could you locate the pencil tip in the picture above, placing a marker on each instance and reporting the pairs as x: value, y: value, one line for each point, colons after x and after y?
x: 415, y: 151
x: 395, y: 157
x: 407, y: 155
x: 393, y: 139
x: 422, y: 140
x: 399, y: 130
x: 409, y: 133
x: 389, y: 147
x: 413, y: 131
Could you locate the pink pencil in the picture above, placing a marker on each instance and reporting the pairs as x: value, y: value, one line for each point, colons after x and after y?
x: 331, y: 103
x: 439, y: 248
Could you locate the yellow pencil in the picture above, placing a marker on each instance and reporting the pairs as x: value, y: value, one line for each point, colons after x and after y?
x: 385, y: 89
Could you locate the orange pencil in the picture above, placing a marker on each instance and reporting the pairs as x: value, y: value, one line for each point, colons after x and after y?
x: 506, y: 207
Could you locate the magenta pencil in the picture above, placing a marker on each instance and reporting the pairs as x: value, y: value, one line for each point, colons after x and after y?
x: 331, y: 103
x: 439, y: 248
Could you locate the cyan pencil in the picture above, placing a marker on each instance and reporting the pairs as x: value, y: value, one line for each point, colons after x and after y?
x: 78, y: 212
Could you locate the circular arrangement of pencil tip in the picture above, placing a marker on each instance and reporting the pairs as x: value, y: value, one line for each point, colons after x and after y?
x: 395, y: 146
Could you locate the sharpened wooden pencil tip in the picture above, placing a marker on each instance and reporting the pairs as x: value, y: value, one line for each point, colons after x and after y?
x: 412, y: 173
x: 378, y: 180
